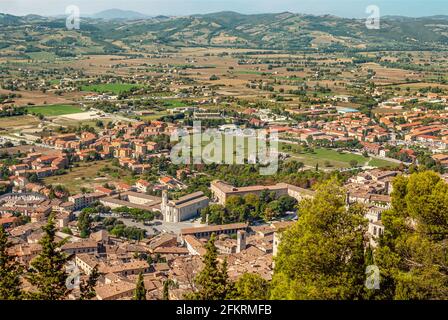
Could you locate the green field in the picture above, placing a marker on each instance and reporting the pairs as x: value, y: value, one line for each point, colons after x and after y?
x: 328, y: 158
x: 55, y: 110
x: 42, y: 55
x: 115, y: 88
x: 382, y: 163
x: 325, y: 158
x: 252, y: 72
x: 174, y: 103
x: 154, y: 116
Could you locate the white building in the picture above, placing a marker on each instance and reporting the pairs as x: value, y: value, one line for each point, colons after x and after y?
x: 183, y: 208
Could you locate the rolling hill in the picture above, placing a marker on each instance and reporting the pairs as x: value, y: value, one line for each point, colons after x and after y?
x: 117, y: 14
x: 282, y: 31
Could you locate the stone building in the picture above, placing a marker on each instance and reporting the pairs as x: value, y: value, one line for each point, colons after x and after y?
x: 222, y: 191
x: 183, y: 208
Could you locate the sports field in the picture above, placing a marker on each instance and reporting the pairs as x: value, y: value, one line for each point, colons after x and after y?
x: 328, y: 158
x: 55, y: 110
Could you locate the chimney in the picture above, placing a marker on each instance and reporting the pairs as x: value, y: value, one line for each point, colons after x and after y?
x: 240, y: 241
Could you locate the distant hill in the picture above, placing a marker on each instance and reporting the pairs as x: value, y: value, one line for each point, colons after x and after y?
x: 290, y: 31
x: 276, y: 31
x: 117, y: 14
x: 7, y: 19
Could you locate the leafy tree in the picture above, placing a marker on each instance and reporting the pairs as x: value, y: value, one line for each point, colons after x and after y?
x: 47, y: 270
x: 252, y: 201
x: 84, y: 222
x: 251, y: 286
x: 87, y: 287
x: 322, y: 255
x: 272, y: 210
x: 412, y: 255
x: 216, y: 214
x: 287, y: 203
x: 212, y: 282
x: 10, y: 271
x: 353, y: 163
x: 67, y: 230
x: 140, y: 290
x: 233, y: 202
x: 3, y: 189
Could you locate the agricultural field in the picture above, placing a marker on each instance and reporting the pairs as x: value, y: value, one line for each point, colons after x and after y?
x: 114, y: 88
x: 10, y: 124
x: 42, y: 55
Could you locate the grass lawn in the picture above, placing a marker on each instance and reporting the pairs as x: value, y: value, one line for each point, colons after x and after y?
x: 328, y: 158
x: 88, y: 175
x: 240, y: 147
x: 174, y: 103
x: 115, y: 88
x: 55, y: 110
x: 382, y: 163
x: 154, y: 116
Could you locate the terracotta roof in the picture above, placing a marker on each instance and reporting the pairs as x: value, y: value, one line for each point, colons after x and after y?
x: 231, y: 226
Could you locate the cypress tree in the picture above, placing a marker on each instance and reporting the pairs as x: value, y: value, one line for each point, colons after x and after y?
x: 87, y: 288
x: 369, y: 256
x: 47, y: 272
x: 140, y: 290
x: 166, y: 288
x: 10, y: 271
x: 212, y: 281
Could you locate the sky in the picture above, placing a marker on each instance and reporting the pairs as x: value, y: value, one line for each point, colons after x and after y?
x: 342, y: 8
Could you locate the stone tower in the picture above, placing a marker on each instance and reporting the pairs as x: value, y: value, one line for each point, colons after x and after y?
x: 240, y: 241
x: 164, y: 205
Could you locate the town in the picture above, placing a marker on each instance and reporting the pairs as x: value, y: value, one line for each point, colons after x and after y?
x: 87, y: 166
